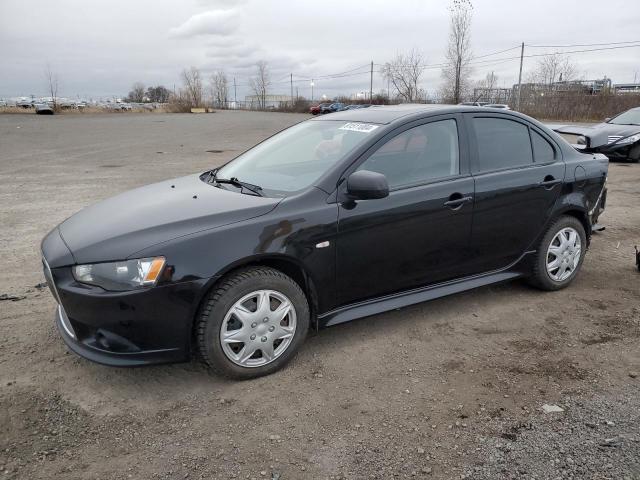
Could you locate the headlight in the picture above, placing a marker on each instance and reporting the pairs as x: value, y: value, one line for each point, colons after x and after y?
x: 631, y: 139
x: 120, y: 276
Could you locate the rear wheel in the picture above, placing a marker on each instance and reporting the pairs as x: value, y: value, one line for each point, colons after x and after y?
x: 560, y: 254
x: 252, y: 323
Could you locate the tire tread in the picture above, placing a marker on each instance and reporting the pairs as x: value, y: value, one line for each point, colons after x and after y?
x: 227, y: 283
x: 539, y: 278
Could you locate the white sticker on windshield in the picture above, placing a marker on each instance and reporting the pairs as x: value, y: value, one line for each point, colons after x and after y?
x: 359, y: 127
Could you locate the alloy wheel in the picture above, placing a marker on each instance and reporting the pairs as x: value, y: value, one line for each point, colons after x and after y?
x: 258, y: 328
x: 563, y: 254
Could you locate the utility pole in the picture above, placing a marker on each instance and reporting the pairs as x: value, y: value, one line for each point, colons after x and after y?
x: 520, y: 78
x: 312, y: 89
x: 371, y: 84
x: 235, y: 93
x: 291, y: 87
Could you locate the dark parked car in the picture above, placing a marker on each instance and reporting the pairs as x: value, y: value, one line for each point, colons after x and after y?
x: 316, y: 109
x: 333, y: 219
x: 334, y: 107
x: 355, y: 106
x: 618, y: 137
x: 44, y: 109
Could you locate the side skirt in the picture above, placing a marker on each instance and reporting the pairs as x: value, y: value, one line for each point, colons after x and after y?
x: 418, y: 295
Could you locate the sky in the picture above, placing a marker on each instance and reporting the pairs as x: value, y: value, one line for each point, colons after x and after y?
x: 99, y: 48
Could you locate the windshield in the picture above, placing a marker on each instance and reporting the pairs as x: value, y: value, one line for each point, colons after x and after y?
x: 630, y: 117
x: 296, y: 157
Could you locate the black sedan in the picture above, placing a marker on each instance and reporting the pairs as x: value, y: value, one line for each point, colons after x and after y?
x: 333, y: 219
x: 618, y: 137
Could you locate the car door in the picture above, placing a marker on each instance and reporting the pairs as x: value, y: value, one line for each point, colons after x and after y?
x: 419, y: 234
x: 518, y: 172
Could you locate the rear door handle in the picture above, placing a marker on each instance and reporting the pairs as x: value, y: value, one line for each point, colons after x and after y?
x: 456, y: 201
x: 549, y: 181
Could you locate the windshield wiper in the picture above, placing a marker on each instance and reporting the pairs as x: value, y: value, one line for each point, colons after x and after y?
x: 256, y: 189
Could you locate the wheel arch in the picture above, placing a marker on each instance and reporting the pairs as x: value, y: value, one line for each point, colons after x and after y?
x: 283, y: 263
x: 579, y: 213
x: 569, y: 209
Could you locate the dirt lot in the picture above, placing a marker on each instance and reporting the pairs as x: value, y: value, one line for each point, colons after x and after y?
x: 448, y: 389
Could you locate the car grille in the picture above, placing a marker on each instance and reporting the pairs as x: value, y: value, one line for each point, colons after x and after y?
x: 614, y: 138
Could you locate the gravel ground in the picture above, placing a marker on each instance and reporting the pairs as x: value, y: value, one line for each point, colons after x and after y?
x: 452, y: 388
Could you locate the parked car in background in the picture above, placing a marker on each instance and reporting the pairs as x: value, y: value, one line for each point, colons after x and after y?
x: 473, y: 104
x: 333, y: 219
x: 44, y: 109
x: 502, y: 106
x: 317, y: 109
x: 618, y: 138
x: 333, y: 107
x: 356, y: 105
x: 25, y: 103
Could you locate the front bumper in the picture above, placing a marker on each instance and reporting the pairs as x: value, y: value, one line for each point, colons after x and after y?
x: 615, y: 152
x: 89, y: 350
x: 125, y: 329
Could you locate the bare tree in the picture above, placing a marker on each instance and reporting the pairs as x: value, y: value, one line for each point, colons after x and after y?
x: 261, y: 82
x: 52, y: 83
x: 137, y: 93
x: 219, y: 88
x: 485, y: 88
x: 404, y: 73
x: 158, y: 94
x: 458, y: 55
x: 489, y: 82
x: 192, y: 80
x: 554, y: 68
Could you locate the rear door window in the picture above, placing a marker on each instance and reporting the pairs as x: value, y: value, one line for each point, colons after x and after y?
x: 543, y: 151
x: 502, y: 143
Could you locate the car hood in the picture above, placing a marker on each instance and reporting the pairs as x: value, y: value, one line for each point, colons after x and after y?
x: 118, y: 227
x: 598, y: 134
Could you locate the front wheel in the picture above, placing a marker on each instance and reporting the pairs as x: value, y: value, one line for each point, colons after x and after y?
x: 560, y: 254
x: 252, y: 323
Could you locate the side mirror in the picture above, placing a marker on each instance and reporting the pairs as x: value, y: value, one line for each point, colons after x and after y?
x: 367, y: 185
x: 606, y: 120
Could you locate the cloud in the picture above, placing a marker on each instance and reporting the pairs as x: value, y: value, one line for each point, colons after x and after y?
x: 213, y: 22
x: 222, y: 3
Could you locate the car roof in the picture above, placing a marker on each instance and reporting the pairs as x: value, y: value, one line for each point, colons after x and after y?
x: 385, y: 114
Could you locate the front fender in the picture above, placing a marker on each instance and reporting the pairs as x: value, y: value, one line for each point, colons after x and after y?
x: 301, y: 233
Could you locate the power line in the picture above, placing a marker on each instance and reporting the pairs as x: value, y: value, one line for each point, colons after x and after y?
x: 582, y: 44
x: 497, y: 53
x: 474, y: 61
x: 583, y: 51
x: 438, y: 65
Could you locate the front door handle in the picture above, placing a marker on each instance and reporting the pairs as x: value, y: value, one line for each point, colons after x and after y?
x: 456, y: 201
x: 549, y: 182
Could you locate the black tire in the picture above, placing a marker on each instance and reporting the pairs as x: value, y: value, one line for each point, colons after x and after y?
x: 222, y: 298
x: 540, y: 278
